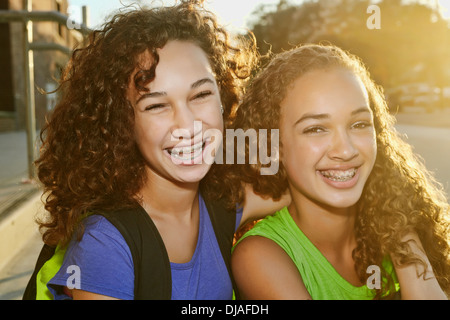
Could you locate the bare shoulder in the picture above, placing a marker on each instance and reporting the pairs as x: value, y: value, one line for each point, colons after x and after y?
x: 263, y: 270
x: 86, y: 295
x: 252, y: 245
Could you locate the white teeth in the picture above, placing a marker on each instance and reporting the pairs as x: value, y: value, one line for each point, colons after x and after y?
x: 339, y: 175
x: 186, y: 150
x: 186, y: 153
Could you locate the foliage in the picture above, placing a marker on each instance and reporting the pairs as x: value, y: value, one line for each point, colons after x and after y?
x: 412, y: 44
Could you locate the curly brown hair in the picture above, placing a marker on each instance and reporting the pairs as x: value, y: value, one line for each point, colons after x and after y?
x: 400, y: 194
x: 89, y: 159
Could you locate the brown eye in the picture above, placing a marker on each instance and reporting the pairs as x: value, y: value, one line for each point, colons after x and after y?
x: 362, y: 125
x: 314, y: 130
x: 155, y: 107
x: 203, y: 94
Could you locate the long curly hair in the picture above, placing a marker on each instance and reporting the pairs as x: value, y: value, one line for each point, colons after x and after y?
x: 400, y: 194
x: 89, y: 159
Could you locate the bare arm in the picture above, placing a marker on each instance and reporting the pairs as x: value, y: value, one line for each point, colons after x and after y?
x: 416, y: 283
x: 86, y: 295
x: 257, y: 207
x: 263, y: 270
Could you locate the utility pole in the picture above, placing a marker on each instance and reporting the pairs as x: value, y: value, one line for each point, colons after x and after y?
x: 29, y: 89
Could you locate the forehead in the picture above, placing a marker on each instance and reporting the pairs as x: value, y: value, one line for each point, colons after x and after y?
x: 325, y: 91
x: 180, y: 64
x: 176, y: 58
x: 182, y: 56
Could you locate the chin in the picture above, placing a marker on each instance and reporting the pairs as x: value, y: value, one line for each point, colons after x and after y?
x: 194, y: 174
x: 343, y: 202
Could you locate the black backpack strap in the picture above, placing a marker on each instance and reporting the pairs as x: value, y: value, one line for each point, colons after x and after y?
x: 146, y: 247
x: 148, y: 250
x: 45, y: 254
x: 224, y: 225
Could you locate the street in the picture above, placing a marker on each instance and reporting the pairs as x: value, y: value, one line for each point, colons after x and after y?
x: 433, y: 145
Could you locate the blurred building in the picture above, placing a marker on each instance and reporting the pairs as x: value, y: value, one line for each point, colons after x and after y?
x: 47, y: 64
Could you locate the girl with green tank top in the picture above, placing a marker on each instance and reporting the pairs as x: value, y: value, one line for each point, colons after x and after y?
x: 320, y: 278
x: 366, y: 220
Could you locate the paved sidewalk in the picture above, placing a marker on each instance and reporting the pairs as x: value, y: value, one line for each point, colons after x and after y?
x: 14, y: 277
x: 19, y: 203
x: 14, y: 183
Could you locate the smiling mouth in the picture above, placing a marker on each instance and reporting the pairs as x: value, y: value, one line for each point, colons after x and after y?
x: 187, y: 153
x: 339, y: 175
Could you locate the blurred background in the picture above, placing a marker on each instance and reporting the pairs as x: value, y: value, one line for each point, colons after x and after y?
x: 405, y: 44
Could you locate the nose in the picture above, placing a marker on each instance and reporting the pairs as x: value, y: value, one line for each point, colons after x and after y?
x: 185, y: 125
x: 342, y: 147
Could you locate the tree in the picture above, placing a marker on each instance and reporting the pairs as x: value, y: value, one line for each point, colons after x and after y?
x: 412, y: 45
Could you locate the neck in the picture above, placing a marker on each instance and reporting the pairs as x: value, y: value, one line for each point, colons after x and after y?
x: 163, y: 197
x: 329, y: 229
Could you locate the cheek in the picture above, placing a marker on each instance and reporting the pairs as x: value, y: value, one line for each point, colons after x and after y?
x: 217, y: 123
x: 148, y: 134
x: 212, y: 118
x: 299, y: 155
x: 368, y: 147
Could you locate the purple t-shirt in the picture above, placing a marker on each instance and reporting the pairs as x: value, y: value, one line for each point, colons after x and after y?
x: 106, y: 265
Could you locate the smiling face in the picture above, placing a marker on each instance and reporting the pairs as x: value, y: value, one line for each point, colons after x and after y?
x: 328, y: 138
x: 175, y: 119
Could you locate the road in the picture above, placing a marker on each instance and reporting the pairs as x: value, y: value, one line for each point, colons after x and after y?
x: 433, y: 145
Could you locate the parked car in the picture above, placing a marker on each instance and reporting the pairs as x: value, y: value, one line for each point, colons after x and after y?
x: 414, y: 95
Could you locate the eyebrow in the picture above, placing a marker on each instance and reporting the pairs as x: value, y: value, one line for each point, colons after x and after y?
x: 320, y: 116
x: 157, y: 94
x: 200, y: 82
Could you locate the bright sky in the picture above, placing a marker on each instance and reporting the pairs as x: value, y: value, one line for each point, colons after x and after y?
x: 231, y: 12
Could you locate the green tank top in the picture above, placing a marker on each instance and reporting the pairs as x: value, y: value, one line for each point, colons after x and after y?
x: 321, y: 280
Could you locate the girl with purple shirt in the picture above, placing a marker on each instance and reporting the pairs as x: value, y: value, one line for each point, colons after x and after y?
x: 125, y: 133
